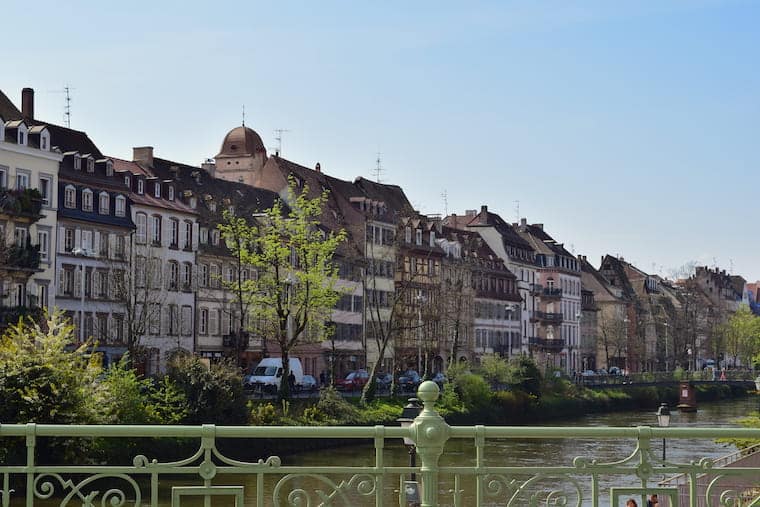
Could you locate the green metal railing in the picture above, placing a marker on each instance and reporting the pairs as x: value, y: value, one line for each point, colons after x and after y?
x: 209, y: 475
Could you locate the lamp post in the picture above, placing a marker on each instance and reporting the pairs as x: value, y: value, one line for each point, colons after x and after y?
x: 666, y: 345
x: 81, y: 252
x: 411, y: 410
x: 663, y: 420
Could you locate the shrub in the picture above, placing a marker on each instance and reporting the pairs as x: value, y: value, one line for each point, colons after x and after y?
x: 334, y: 408
x: 474, y: 392
x: 264, y: 414
x: 524, y: 375
x: 494, y: 369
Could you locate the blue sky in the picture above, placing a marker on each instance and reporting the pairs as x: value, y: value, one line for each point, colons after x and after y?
x: 627, y: 128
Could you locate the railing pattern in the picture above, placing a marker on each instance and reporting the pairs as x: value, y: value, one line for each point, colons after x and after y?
x: 210, y: 473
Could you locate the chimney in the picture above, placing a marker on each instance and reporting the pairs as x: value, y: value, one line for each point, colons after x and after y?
x: 484, y: 214
x: 143, y: 154
x: 27, y: 103
x: 210, y: 167
x: 523, y: 222
x: 470, y: 213
x: 318, y: 168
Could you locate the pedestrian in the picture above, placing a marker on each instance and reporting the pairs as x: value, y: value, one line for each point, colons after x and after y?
x: 631, y: 503
x: 322, y: 378
x: 292, y: 381
x: 653, y: 501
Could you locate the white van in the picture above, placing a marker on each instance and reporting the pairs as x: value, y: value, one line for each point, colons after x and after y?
x: 267, y: 375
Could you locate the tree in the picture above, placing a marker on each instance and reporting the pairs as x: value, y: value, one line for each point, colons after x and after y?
x: 742, y: 335
x: 293, y: 285
x: 613, y: 333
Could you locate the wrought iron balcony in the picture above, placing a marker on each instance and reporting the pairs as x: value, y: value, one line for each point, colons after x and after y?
x: 19, y: 258
x: 551, y: 293
x: 547, y: 317
x: 21, y: 203
x: 218, y: 467
x: 549, y: 344
x: 536, y: 289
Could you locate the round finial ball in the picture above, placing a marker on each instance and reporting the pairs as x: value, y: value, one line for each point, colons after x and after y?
x: 428, y: 391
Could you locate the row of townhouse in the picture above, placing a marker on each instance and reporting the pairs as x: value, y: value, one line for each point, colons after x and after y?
x: 131, y: 252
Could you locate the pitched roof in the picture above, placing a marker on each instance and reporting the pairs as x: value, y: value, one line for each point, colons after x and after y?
x: 8, y: 111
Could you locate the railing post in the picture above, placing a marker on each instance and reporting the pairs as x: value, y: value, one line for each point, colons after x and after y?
x: 430, y: 433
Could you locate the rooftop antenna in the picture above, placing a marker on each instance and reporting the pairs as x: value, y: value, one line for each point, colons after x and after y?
x: 244, y: 115
x: 730, y: 265
x: 517, y: 212
x: 445, y: 203
x: 278, y: 137
x: 67, y: 107
x: 377, y: 171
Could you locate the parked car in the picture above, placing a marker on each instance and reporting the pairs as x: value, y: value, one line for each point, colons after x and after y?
x: 353, y: 381
x: 308, y: 384
x: 409, y: 380
x: 439, y: 378
x: 614, y: 370
x: 588, y: 373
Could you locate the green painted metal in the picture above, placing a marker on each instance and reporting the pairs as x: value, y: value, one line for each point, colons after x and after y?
x: 208, y: 475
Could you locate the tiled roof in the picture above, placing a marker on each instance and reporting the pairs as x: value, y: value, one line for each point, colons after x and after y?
x: 145, y: 198
x: 8, y: 111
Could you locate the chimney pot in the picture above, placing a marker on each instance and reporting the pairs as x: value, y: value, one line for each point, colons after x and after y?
x: 143, y: 154
x: 27, y: 103
x: 318, y: 168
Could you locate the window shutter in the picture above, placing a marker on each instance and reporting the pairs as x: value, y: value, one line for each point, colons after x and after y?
x: 96, y: 244
x: 78, y: 282
x: 77, y: 238
x: 111, y: 245
x: 61, y: 239
x: 61, y: 282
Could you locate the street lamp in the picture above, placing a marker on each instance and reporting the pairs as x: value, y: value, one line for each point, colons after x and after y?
x: 663, y: 420
x: 666, y: 345
x: 411, y: 410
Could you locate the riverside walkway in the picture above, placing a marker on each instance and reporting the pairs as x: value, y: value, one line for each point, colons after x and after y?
x: 223, y: 465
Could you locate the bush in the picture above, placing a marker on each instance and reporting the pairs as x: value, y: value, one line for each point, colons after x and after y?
x: 333, y: 408
x: 524, y: 375
x: 494, y: 369
x: 214, y: 395
x: 264, y: 414
x: 474, y: 392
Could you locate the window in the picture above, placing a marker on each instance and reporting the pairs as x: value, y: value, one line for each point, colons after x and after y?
x: 140, y: 265
x: 157, y: 190
x: 44, y: 141
x: 203, y: 275
x: 173, y: 275
x: 187, y: 276
x: 86, y: 199
x: 173, y: 320
x: 117, y: 328
x: 21, y: 137
x: 70, y: 197
x: 101, y: 284
x: 22, y: 180
x: 90, y: 165
x: 432, y: 238
x: 128, y: 181
x: 140, y: 186
x: 418, y: 236
x: 77, y: 163
x: 3, y: 169
x: 174, y: 238
x: 101, y: 240
x: 214, y: 275
x: 45, y: 185
x: 121, y: 205
x: 66, y: 282
x: 203, y: 321
x: 155, y: 273
x: 171, y: 193
x: 68, y: 243
x: 141, y: 220
x: 86, y: 240
x: 155, y: 230
x: 154, y: 319
x: 109, y: 168
x: 213, y: 322
x: 408, y: 234
x: 42, y: 295
x: 229, y: 274
x: 203, y: 235
x: 120, y: 247
x: 187, y: 321
x: 20, y: 236
x: 43, y: 240
x: 105, y: 204
x: 215, y: 237
x: 188, y: 236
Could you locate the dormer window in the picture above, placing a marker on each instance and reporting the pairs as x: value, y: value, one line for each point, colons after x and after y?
x: 109, y: 168
x: 90, y: 165
x: 86, y: 199
x: 171, y: 193
x: 432, y: 238
x: 128, y: 181
x: 408, y: 234
x: 77, y: 163
x: 418, y: 236
x: 104, y: 204
x: 157, y: 190
x: 140, y: 186
x: 21, y: 138
x: 44, y: 141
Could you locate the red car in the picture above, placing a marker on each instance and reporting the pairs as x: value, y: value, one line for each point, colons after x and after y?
x: 353, y: 381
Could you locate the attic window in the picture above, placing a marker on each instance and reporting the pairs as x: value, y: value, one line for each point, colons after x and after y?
x: 44, y: 144
x: 171, y: 193
x: 418, y: 236
x: 140, y: 186
x: 21, y: 137
x: 109, y: 168
x: 127, y: 181
x: 90, y: 165
x: 77, y: 163
x: 157, y: 190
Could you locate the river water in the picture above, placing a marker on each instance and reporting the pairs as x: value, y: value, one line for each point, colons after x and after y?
x: 524, y: 453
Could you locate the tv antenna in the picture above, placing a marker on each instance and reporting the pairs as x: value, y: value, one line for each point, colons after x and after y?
x: 67, y: 107
x: 445, y: 203
x: 517, y: 212
x: 378, y: 170
x: 244, y: 115
x: 278, y: 137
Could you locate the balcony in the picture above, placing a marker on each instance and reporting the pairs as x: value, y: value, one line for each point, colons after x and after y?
x: 551, y: 345
x: 536, y: 289
x: 21, y: 203
x: 220, y: 461
x: 546, y: 317
x: 20, y: 258
x: 551, y: 293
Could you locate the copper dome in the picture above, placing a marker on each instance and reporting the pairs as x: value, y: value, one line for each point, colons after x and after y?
x: 240, y: 142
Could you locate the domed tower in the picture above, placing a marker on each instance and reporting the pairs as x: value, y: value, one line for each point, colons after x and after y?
x: 242, y: 156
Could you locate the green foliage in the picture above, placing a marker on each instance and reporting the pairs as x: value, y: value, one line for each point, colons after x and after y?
x: 515, y: 405
x: 214, y: 395
x: 167, y: 403
x: 742, y: 335
x: 120, y: 396
x: 294, y: 290
x: 679, y: 374
x: 264, y: 414
x: 474, y: 392
x: 494, y: 369
x: 449, y: 401
x: 525, y: 375
x: 333, y: 408
x: 456, y: 370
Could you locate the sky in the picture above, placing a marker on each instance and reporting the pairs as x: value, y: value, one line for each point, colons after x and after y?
x: 628, y: 128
